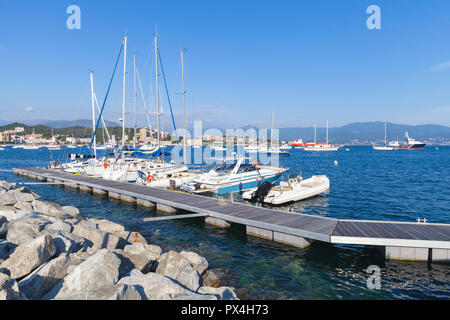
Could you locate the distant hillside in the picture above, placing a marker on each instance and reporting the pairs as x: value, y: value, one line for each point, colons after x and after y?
x: 367, y: 132
x: 59, y: 124
x: 76, y: 131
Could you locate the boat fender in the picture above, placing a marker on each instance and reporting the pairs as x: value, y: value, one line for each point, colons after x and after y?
x: 105, y: 165
x: 255, y: 163
x: 149, y: 178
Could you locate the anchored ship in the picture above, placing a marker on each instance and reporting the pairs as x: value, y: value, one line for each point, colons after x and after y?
x: 410, y: 143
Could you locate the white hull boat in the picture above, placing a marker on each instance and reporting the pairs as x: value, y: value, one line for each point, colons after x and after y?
x: 295, y: 189
x: 383, y: 148
x: 235, y: 177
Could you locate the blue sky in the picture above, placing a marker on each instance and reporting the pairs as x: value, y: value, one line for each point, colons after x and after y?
x: 309, y: 61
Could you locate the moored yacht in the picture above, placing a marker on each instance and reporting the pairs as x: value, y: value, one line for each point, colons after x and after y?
x: 228, y: 177
x: 410, y: 144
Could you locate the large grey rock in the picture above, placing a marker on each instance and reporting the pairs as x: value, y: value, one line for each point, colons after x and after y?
x: 155, y: 286
x: 22, y: 195
x: 100, y: 271
x: 44, y: 278
x: 176, y: 267
x: 25, y: 229
x: 7, y: 199
x: 117, y: 292
x: 222, y: 293
x: 60, y: 226
x: 50, y: 209
x: 72, y: 211
x: 198, y: 262
x: 108, y: 226
x: 142, y: 255
x: 210, y: 279
x: 100, y: 239
x: 133, y: 237
x: 23, y: 206
x: 9, y: 289
x: 66, y: 242
x: 6, y: 186
x: 28, y: 257
x: 12, y: 213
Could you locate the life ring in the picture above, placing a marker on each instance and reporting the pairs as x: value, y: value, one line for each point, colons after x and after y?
x: 105, y: 165
x: 149, y: 178
x: 255, y: 163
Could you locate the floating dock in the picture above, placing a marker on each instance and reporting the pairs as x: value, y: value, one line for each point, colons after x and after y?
x: 416, y: 241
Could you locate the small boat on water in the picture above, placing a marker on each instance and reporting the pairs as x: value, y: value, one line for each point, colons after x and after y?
x: 31, y: 147
x: 295, y: 189
x: 53, y: 147
x: 410, y: 144
x: 384, y: 147
x: 327, y: 146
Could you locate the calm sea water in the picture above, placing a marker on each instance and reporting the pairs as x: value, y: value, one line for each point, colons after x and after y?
x: 372, y: 185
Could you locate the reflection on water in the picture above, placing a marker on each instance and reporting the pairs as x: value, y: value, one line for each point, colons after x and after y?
x: 365, y: 185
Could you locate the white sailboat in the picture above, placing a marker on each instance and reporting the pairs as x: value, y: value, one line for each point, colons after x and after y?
x: 385, y: 147
x: 321, y: 146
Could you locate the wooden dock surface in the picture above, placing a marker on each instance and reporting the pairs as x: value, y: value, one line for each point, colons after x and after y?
x: 378, y: 233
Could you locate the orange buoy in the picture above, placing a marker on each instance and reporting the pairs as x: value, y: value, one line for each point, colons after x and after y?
x: 255, y: 163
x: 105, y: 165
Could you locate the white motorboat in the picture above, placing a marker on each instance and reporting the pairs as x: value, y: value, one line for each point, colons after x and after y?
x: 53, y: 147
x: 295, y: 189
x: 383, y: 148
x: 31, y: 147
x: 236, y: 176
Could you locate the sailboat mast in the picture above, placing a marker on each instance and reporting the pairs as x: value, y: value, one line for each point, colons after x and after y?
x: 327, y: 132
x: 184, y: 115
x: 135, y: 97
x: 93, y: 113
x: 385, y: 134
x: 315, y: 130
x: 157, y: 88
x: 271, y: 129
x: 123, y: 93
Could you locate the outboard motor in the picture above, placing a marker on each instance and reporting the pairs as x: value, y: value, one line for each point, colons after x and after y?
x: 262, y: 191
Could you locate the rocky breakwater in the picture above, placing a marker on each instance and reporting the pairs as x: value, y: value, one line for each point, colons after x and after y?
x: 48, y: 251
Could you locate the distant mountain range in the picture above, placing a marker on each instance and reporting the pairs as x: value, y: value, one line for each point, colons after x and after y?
x: 60, y: 124
x: 353, y: 133
x: 366, y: 132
